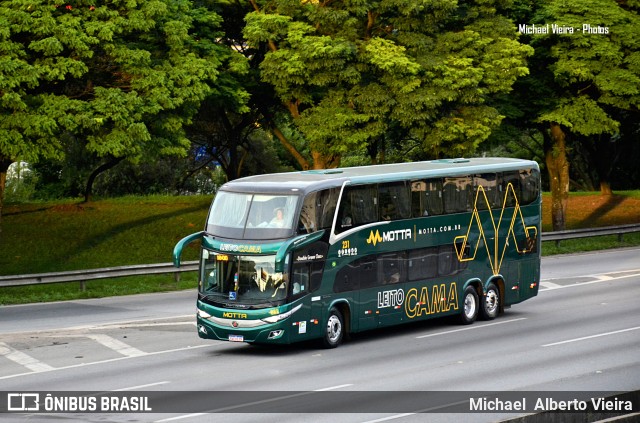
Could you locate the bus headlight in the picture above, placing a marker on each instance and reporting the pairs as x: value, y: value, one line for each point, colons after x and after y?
x: 203, y: 314
x: 279, y: 317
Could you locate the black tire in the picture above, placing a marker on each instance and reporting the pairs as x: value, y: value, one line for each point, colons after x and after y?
x: 333, y: 329
x: 470, y: 306
x: 490, y: 304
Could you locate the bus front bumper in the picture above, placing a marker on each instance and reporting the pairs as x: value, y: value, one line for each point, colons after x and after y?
x: 268, y: 333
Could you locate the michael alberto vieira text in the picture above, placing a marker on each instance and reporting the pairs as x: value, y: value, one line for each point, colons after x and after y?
x: 549, y: 404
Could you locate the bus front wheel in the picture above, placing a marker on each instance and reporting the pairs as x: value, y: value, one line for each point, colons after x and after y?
x: 490, y: 303
x: 334, y: 329
x: 470, y: 306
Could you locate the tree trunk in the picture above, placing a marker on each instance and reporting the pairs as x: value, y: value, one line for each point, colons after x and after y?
x: 102, y: 168
x: 323, y: 161
x: 605, y: 188
x: 304, y: 164
x: 558, y: 168
x: 5, y: 162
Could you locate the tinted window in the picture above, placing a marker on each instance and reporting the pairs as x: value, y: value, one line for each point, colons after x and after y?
x: 426, y: 198
x: 510, y: 187
x: 390, y: 268
x: 318, y: 209
x: 458, y: 194
x: 359, y: 206
x: 529, y: 183
x: 394, y: 201
x: 306, y: 277
x: 491, y: 197
x: 316, y: 275
x: 300, y: 279
x: 367, y: 268
x: 359, y: 274
x: 348, y: 278
x: 423, y: 264
x: 447, y: 260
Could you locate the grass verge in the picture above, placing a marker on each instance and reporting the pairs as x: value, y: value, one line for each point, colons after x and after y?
x: 64, y: 235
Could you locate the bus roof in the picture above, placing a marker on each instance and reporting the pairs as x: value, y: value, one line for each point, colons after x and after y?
x: 312, y: 180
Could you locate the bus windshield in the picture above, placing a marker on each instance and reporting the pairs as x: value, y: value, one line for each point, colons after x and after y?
x: 241, y: 280
x: 252, y: 216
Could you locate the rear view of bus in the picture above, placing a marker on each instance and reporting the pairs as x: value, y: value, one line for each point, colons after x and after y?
x: 318, y: 254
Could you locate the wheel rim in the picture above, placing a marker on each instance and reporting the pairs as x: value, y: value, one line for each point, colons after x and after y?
x: 491, y: 301
x: 334, y: 329
x: 469, y: 306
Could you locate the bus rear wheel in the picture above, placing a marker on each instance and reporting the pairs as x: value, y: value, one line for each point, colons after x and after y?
x: 334, y: 329
x: 490, y: 303
x: 470, y: 306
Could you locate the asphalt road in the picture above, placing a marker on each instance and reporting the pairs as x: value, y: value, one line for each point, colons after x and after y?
x: 581, y: 333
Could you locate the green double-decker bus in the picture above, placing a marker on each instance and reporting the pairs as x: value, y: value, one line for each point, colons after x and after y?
x: 320, y: 254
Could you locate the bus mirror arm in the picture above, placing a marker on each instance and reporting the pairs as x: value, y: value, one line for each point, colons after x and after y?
x: 177, y: 250
x: 298, y: 241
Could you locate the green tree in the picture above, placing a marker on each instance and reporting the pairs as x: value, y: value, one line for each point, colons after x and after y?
x: 581, y: 96
x: 122, y: 77
x: 353, y: 74
x: 596, y: 77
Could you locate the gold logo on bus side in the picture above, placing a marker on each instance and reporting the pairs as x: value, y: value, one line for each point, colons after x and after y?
x: 389, y: 236
x: 496, y: 256
x: 374, y: 239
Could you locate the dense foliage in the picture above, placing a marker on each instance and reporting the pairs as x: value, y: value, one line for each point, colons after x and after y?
x: 161, y: 93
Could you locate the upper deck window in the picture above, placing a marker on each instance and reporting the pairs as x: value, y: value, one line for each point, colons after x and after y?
x: 395, y: 201
x: 252, y: 216
x: 458, y: 192
x: 318, y: 209
x: 529, y: 182
x: 359, y: 206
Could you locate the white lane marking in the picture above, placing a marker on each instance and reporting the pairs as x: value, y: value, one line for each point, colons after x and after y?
x: 471, y: 328
x: 23, y: 359
x: 625, y: 417
x: 549, y: 285
x: 182, y: 417
x: 604, y: 277
x: 95, y: 326
x: 592, y: 336
x: 111, y: 343
x: 599, y: 279
x: 148, y: 325
x: 232, y: 407
x: 111, y: 360
x: 396, y: 416
x: 333, y: 388
x: 424, y: 410
x: 131, y: 388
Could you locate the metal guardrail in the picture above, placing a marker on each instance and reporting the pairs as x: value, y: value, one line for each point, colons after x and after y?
x: 93, y: 274
x: 586, y: 233
x: 162, y: 268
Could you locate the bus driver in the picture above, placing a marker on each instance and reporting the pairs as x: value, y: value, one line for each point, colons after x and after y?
x: 278, y: 220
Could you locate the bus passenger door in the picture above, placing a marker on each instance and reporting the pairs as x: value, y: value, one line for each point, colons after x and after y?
x: 301, y: 323
x: 365, y: 297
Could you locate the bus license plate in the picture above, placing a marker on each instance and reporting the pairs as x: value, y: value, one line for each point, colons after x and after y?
x: 236, y: 338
